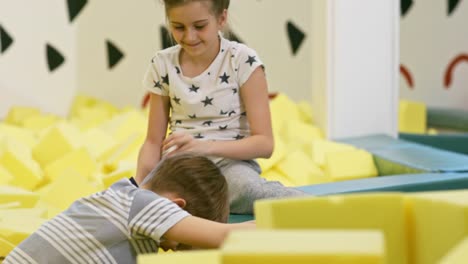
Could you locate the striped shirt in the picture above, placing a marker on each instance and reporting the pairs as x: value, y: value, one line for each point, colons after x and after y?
x: 112, y: 226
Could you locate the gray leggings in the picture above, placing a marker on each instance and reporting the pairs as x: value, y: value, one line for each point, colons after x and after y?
x: 246, y: 186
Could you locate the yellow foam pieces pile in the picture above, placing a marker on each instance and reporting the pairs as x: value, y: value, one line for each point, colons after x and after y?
x: 419, y: 228
x: 412, y: 117
x: 47, y: 162
x: 189, y: 257
x: 302, y: 156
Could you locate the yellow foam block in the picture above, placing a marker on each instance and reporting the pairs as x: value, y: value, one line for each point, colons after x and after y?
x: 123, y: 125
x: 300, y: 169
x: 92, y: 117
x: 15, y: 230
x: 278, y: 154
x: 20, y: 197
x: 194, y: 257
x: 23, y: 213
x: 5, y: 248
x: 412, y: 117
x: 275, y: 175
x: 304, y: 246
x: 19, y: 134
x: 17, y: 114
x: 17, y: 160
x: 305, y: 112
x: 349, y: 164
x: 381, y: 211
x: 321, y: 147
x: 98, y: 142
x: 124, y: 170
x: 438, y: 221
x: 39, y: 122
x: 457, y: 255
x: 282, y: 109
x: 124, y: 149
x: 78, y: 160
x: 75, y: 185
x: 5, y: 176
x: 56, y: 142
x: 50, y: 210
x: 297, y: 133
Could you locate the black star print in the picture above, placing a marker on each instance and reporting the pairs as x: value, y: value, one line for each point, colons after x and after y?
x: 207, y: 101
x: 177, y: 70
x: 208, y: 123
x: 232, y: 112
x: 165, y: 79
x: 209, y: 73
x: 224, y: 78
x: 251, y: 60
x: 198, y: 136
x: 177, y: 122
x: 232, y: 56
x: 222, y: 50
x: 192, y: 116
x: 238, y: 137
x: 152, y: 59
x: 222, y: 127
x: 222, y: 112
x: 158, y: 84
x: 234, y: 90
x: 176, y: 100
x: 244, y: 114
x: 194, y: 88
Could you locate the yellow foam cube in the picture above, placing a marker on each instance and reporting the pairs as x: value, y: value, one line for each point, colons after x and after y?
x: 438, y: 221
x: 279, y: 152
x: 5, y: 248
x: 78, y: 160
x: 275, y: 175
x: 17, y: 196
x: 381, y: 211
x: 67, y: 188
x: 349, y: 164
x: 194, y: 257
x: 23, y: 213
x: 300, y: 169
x: 283, y: 109
x: 98, y: 142
x: 17, y: 114
x: 305, y: 111
x: 56, y: 142
x: 412, y: 117
x: 304, y: 247
x: 297, y: 133
x: 17, y: 160
x: 124, y: 149
x: 321, y: 147
x: 18, y: 134
x: 123, y: 125
x: 15, y: 230
x: 457, y: 255
x: 5, y: 176
x: 39, y: 122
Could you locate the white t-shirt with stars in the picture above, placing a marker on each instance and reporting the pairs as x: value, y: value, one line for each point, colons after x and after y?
x: 209, y: 105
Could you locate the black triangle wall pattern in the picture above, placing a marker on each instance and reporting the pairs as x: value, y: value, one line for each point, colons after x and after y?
x: 54, y: 58
x: 296, y: 36
x: 166, y: 38
x: 75, y: 7
x: 452, y: 5
x: 114, y: 55
x: 405, y: 6
x: 5, y: 40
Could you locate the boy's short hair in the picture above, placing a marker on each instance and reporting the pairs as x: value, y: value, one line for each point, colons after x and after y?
x: 197, y: 180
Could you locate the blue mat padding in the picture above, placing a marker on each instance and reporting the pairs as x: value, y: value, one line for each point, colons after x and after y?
x: 411, y: 154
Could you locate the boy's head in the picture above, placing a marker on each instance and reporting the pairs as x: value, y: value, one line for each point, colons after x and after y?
x: 197, y: 181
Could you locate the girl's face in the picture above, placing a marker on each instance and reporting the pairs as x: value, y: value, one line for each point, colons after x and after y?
x: 195, y: 28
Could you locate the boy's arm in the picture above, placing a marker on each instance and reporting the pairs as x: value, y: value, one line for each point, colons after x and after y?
x: 202, y: 233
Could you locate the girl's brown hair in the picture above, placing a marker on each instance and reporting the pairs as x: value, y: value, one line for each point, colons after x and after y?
x: 198, y: 181
x: 217, y: 6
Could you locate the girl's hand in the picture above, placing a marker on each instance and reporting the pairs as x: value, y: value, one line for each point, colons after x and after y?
x: 180, y: 142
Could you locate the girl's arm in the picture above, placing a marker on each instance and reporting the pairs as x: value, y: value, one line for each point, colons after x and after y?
x: 150, y: 151
x: 254, y: 94
x: 202, y: 233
